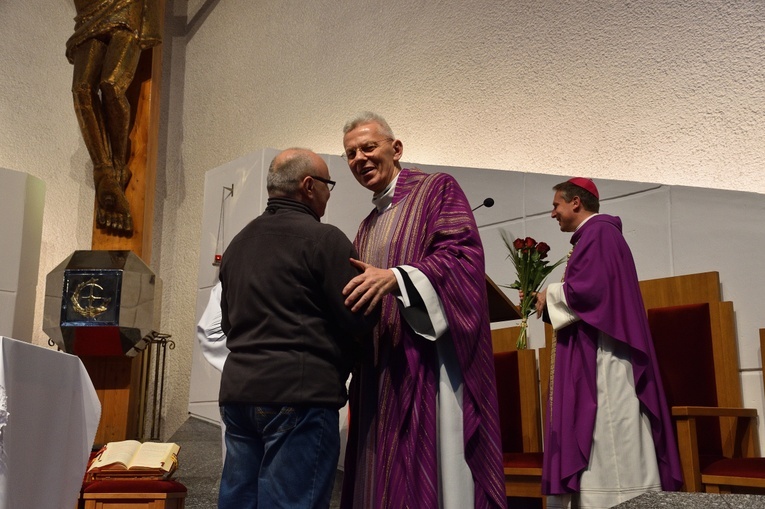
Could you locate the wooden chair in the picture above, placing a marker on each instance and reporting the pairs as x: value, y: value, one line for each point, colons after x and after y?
x: 739, y: 474
x: 519, y: 415
x: 695, y: 341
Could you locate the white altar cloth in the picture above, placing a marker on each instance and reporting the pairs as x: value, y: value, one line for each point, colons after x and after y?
x: 49, y: 413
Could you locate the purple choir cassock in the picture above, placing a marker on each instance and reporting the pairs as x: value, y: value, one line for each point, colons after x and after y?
x: 391, y: 458
x: 601, y: 287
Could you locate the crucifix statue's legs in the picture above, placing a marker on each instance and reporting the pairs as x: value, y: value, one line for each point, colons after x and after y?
x: 107, y: 67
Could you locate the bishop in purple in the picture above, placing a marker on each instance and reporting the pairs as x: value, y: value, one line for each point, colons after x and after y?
x: 608, y: 429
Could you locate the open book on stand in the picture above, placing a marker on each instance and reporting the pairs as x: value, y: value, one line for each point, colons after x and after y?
x: 130, y: 458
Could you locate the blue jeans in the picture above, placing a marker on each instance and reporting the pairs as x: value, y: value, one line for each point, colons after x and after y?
x: 278, y: 457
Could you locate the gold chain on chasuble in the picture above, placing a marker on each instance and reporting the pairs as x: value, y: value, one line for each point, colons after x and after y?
x: 553, y: 346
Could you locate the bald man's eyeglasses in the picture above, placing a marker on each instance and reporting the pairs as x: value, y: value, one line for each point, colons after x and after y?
x: 330, y: 183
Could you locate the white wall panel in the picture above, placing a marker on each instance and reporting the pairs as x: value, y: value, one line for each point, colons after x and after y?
x: 21, y: 222
x: 724, y: 231
x: 247, y: 176
x: 646, y: 227
x: 671, y: 230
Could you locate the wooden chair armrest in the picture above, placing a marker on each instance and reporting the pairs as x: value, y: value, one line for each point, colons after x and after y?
x: 703, y: 411
x: 738, y: 428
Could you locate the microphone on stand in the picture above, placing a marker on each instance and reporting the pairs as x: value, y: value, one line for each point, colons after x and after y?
x: 488, y: 202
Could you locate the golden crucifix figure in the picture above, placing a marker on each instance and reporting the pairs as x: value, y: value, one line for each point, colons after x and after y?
x: 108, y: 38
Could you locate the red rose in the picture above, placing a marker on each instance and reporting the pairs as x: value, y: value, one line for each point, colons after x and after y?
x: 530, y: 242
x: 518, y: 244
x: 543, y: 248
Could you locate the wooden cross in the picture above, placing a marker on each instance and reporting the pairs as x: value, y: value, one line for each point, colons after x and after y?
x: 120, y: 381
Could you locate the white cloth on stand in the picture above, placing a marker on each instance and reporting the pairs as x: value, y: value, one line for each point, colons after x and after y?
x: 212, y: 340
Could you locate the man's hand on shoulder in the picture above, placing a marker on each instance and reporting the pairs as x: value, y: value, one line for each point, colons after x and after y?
x: 365, y: 291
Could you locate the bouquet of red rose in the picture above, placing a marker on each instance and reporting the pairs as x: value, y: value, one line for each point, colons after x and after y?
x: 528, y: 257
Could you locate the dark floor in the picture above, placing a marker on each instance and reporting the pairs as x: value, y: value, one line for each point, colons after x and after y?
x: 199, y: 464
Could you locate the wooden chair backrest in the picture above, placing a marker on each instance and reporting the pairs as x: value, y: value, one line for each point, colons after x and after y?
x: 698, y: 289
x: 684, y: 345
x: 681, y: 290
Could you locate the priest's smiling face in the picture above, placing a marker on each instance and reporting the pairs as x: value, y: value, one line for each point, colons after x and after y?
x: 566, y: 213
x: 372, y: 156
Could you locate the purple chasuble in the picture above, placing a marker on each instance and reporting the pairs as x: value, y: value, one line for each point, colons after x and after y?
x: 391, y: 457
x: 601, y: 287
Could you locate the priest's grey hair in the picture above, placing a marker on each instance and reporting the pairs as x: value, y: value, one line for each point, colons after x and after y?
x: 367, y: 117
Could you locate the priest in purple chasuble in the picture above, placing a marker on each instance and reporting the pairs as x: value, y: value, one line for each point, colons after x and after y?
x: 609, y: 435
x: 424, y: 429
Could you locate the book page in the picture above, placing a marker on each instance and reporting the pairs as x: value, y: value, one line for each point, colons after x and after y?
x: 116, y: 455
x: 154, y: 455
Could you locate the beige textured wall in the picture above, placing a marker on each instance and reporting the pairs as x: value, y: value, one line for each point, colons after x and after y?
x: 660, y: 91
x: 38, y: 128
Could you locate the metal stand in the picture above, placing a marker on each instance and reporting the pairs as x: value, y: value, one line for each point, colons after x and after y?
x: 221, y: 226
x: 160, y: 342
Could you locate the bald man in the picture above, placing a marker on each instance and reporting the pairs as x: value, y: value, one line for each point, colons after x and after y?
x: 292, y: 343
